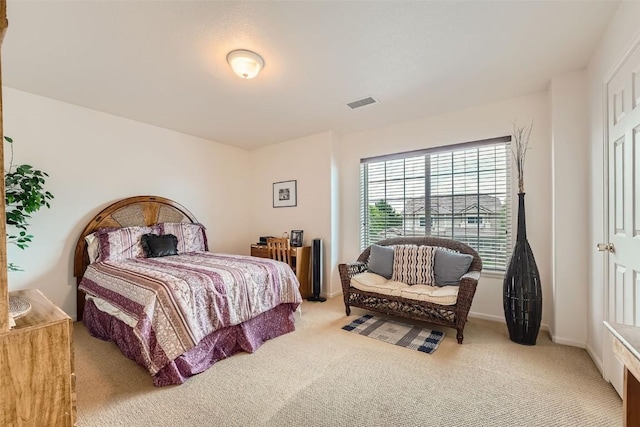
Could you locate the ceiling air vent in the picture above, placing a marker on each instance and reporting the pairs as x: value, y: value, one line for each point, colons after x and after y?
x: 362, y: 102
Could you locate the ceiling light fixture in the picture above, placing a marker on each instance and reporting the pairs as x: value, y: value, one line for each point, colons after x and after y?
x: 245, y: 64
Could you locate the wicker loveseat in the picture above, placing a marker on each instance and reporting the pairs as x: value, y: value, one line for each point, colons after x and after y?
x: 453, y: 316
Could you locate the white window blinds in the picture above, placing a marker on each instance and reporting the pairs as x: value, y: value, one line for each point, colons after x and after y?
x: 461, y: 192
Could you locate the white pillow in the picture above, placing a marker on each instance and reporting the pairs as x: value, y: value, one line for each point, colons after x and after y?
x: 92, y: 246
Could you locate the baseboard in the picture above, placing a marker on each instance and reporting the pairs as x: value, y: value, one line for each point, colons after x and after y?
x: 570, y: 342
x: 500, y: 319
x: 596, y: 359
x: 331, y: 295
x: 484, y: 316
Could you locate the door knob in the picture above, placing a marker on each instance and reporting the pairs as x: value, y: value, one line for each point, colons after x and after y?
x: 606, y: 247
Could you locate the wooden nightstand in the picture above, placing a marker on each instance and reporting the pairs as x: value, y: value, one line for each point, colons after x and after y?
x: 36, y: 364
x: 300, y: 258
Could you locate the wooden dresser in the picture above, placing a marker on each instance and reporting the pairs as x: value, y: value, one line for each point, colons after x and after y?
x: 626, y: 346
x: 36, y: 367
x: 300, y: 258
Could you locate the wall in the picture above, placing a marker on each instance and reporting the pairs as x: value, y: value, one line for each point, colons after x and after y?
x: 569, y: 129
x: 94, y: 159
x: 486, y: 121
x: 309, y: 161
x: 621, y: 35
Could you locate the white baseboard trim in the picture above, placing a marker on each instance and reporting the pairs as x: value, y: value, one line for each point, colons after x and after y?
x: 543, y: 327
x: 568, y: 341
x: 331, y: 295
x: 484, y: 316
x: 595, y: 359
x: 500, y: 319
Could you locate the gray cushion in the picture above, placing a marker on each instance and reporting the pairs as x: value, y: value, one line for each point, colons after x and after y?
x: 381, y: 260
x: 450, y: 267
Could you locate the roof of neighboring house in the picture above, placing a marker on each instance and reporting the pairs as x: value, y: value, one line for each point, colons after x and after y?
x: 442, y: 205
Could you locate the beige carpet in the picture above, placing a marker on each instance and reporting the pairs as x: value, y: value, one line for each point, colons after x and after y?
x: 321, y: 375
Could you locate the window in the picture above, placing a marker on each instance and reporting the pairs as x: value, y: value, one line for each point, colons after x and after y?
x: 461, y: 192
x: 471, y: 220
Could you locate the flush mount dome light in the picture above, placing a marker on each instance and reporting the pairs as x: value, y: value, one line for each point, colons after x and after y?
x: 245, y: 64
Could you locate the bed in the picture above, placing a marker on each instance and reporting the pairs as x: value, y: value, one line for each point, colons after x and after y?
x: 147, y: 282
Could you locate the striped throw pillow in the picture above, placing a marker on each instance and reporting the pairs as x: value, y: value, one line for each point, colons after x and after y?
x: 413, y: 264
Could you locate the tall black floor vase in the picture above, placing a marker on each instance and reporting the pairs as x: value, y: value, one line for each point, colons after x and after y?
x: 522, y: 292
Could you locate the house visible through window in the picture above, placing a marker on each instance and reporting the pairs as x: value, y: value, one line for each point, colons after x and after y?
x: 460, y: 192
x: 473, y: 220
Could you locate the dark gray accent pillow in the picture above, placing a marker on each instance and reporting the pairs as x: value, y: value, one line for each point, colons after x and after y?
x: 381, y: 260
x: 450, y: 267
x: 157, y: 246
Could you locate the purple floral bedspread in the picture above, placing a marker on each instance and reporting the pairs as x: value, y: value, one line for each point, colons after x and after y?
x: 172, y: 303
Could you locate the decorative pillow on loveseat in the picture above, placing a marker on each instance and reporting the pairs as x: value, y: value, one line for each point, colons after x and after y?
x: 381, y: 260
x: 450, y: 266
x: 413, y: 264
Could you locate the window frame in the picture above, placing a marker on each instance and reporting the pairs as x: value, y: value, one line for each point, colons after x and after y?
x: 494, y: 220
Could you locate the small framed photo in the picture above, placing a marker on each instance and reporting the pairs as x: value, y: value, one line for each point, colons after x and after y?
x: 296, y: 238
x: 285, y: 194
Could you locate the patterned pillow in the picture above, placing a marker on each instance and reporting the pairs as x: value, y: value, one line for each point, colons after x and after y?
x: 413, y: 264
x: 191, y: 236
x: 93, y: 243
x: 121, y: 243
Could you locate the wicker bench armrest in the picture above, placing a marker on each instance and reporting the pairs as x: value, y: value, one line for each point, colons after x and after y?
x: 347, y: 271
x: 469, y: 282
x: 473, y: 275
x: 468, y: 285
x: 353, y: 268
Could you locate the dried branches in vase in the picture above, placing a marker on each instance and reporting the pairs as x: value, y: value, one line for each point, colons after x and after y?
x: 521, y: 141
x: 522, y: 290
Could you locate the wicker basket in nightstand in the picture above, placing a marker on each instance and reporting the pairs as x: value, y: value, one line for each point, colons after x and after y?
x: 18, y: 306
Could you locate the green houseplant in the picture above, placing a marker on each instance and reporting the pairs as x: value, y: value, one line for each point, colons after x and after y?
x: 24, y: 194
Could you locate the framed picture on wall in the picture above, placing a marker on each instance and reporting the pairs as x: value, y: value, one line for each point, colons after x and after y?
x: 285, y: 194
x: 296, y: 238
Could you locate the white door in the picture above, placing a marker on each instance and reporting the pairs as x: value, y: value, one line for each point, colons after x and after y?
x: 623, y: 284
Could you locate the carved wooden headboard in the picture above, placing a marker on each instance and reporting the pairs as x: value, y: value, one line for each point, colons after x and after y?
x: 132, y: 211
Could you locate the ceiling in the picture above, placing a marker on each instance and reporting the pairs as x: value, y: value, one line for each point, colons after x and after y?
x: 164, y: 62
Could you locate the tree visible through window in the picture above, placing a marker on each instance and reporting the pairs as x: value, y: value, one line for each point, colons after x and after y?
x: 383, y: 217
x: 460, y: 192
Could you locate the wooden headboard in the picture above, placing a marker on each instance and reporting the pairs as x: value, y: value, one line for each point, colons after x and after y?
x: 132, y: 211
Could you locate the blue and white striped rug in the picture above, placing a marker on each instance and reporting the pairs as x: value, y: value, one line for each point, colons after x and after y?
x: 397, y: 333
